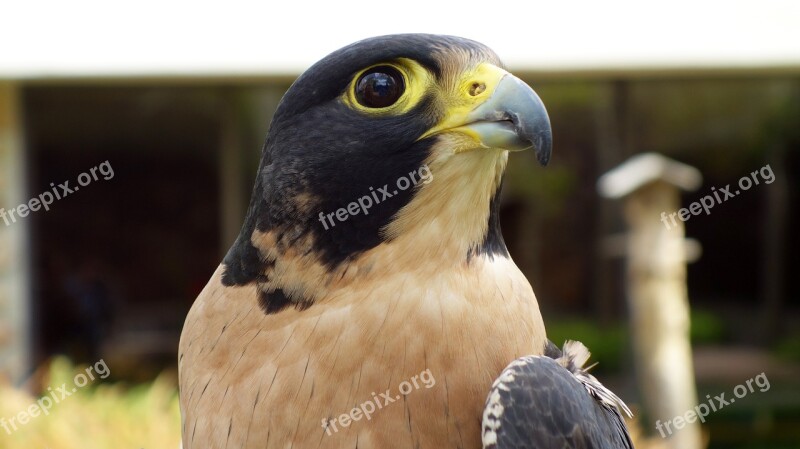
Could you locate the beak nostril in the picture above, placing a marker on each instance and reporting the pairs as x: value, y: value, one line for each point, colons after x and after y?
x: 476, y: 88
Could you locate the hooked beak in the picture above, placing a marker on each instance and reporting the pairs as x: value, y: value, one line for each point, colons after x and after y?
x: 506, y: 115
x: 513, y: 118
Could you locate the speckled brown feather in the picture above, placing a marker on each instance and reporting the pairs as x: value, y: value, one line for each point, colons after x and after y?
x: 268, y: 380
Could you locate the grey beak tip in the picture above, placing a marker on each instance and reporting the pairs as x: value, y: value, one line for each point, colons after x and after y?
x: 535, y: 124
x: 544, y: 148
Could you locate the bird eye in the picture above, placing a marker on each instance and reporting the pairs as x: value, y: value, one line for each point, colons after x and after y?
x: 380, y: 87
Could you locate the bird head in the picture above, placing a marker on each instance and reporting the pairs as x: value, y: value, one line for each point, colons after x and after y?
x: 395, y: 144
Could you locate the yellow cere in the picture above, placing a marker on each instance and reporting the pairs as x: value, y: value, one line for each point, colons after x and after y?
x: 470, y: 90
x: 418, y: 81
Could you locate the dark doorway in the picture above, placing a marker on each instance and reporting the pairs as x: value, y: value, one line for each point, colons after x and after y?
x: 117, y: 263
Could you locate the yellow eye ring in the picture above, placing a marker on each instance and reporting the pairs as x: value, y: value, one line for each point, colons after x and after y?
x: 388, y: 88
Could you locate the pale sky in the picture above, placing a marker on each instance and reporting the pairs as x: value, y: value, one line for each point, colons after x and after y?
x: 151, y: 37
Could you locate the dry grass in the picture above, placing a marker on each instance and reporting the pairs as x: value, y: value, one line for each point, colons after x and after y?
x: 102, y: 416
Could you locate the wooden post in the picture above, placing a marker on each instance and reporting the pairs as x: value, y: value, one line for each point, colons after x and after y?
x: 15, y: 308
x: 656, y: 253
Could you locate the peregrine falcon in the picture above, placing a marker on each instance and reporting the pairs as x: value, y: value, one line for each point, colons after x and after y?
x: 370, y: 301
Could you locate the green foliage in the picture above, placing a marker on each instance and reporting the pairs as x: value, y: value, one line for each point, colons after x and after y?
x: 607, y: 344
x: 788, y: 348
x: 706, y: 328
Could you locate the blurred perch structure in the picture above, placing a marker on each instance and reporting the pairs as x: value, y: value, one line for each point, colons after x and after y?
x: 650, y: 184
x: 15, y: 336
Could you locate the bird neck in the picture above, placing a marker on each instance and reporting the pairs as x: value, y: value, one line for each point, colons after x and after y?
x: 451, y: 219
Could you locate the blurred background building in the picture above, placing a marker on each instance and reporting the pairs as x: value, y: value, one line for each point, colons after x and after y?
x: 178, y: 100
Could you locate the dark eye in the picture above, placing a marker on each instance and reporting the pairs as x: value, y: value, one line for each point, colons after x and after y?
x: 380, y: 87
